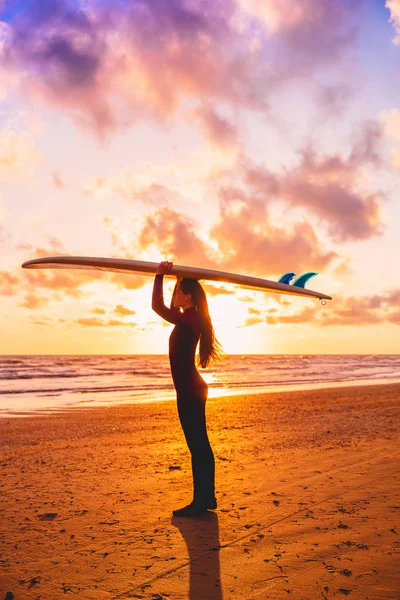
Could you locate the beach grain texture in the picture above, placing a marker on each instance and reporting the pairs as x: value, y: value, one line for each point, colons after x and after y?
x: 308, y: 488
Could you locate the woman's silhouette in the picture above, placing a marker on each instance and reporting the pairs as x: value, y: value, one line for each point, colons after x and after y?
x: 191, y: 326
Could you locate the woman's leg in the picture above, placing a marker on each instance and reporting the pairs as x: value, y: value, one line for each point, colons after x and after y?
x: 193, y: 419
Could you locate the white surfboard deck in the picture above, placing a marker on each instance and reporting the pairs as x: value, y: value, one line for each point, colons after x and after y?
x: 139, y: 267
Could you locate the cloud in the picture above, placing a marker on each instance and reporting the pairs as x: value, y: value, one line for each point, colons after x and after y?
x: 305, y: 34
x: 249, y: 242
x: 329, y: 187
x: 58, y: 280
x: 58, y: 180
x: 242, y: 240
x: 108, y: 63
x: 127, y: 185
x: 5, y: 234
x: 96, y: 322
x: 342, y: 311
x: 34, y: 301
x: 48, y: 284
x: 306, y: 315
x: 153, y: 195
x: 72, y: 281
x: 334, y: 99
x: 90, y: 322
x: 251, y: 321
x: 43, y: 321
x: 276, y: 16
x: 67, y: 281
x: 122, y: 311
x: 19, y: 157
x: 56, y: 49
x: 366, y: 149
x: 213, y: 290
x: 394, y: 8
x: 365, y: 310
x: 244, y: 236
x: 219, y: 130
x: 391, y: 125
x: 119, y: 237
x: 174, y: 235
x: 328, y: 192
x: 9, y: 283
x: 348, y: 215
x: 127, y: 282
x: 394, y: 318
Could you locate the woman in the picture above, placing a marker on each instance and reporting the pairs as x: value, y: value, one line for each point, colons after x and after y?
x: 191, y: 326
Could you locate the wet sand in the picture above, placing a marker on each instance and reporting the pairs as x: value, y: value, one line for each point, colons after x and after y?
x: 307, y: 487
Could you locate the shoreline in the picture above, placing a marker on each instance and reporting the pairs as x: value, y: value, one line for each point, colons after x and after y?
x: 308, y: 490
x: 219, y: 393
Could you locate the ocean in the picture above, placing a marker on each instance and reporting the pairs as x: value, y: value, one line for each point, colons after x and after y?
x: 44, y: 384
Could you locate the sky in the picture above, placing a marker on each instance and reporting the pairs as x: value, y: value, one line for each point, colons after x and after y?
x: 249, y: 136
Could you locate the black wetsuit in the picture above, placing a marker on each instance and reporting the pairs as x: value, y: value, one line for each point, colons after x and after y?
x: 191, y: 390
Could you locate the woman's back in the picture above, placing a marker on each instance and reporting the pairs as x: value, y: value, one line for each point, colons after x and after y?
x: 182, y: 351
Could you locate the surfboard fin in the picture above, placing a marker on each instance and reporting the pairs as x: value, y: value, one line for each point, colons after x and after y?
x: 286, y: 278
x: 302, y: 280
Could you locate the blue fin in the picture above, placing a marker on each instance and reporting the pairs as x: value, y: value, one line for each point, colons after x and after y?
x: 302, y: 280
x: 286, y: 278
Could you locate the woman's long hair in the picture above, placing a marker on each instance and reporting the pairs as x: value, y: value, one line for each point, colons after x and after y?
x: 210, y: 349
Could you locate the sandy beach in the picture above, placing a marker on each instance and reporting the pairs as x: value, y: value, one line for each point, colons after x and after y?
x: 307, y: 486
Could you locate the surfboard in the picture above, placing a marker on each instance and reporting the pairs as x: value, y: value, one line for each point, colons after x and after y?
x: 140, y: 267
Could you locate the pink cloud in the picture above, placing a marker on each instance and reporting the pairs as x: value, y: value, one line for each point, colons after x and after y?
x: 321, y: 34
x: 174, y: 235
x: 249, y: 242
x: 109, y: 63
x: 334, y: 99
x: 152, y: 195
x: 328, y: 187
x: 367, y: 150
x: 219, y: 130
x: 394, y: 318
x: 350, y: 311
x: 58, y: 180
x: 356, y: 311
x: 246, y: 239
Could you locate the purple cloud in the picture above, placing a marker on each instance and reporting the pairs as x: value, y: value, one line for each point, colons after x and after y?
x: 108, y: 63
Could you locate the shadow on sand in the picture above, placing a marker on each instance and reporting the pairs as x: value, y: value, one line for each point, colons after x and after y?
x: 202, y: 540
